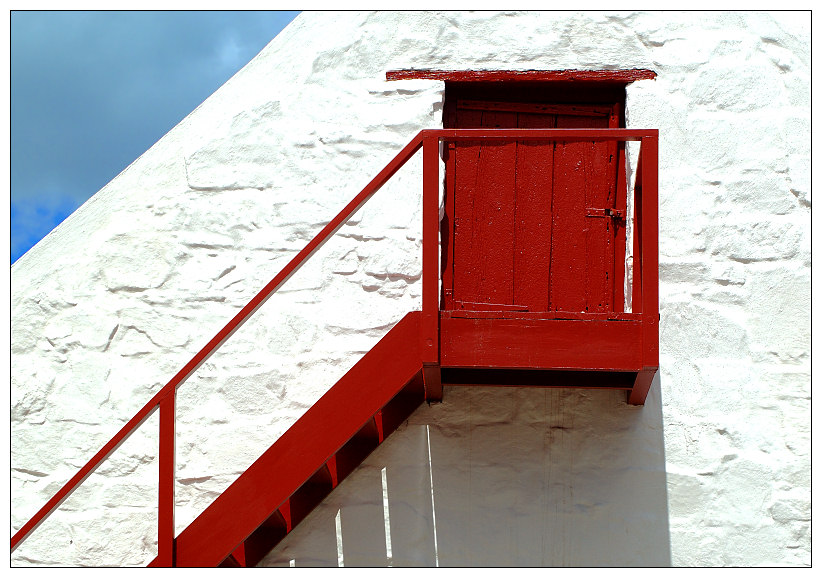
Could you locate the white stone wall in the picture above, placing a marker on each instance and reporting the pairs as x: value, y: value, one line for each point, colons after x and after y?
x: 114, y: 301
x: 501, y: 477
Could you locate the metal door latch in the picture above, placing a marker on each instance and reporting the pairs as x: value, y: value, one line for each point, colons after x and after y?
x: 612, y: 213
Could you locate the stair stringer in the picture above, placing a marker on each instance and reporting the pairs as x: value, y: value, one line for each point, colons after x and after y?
x: 264, y: 490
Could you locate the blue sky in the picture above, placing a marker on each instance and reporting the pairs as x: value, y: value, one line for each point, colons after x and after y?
x: 92, y: 91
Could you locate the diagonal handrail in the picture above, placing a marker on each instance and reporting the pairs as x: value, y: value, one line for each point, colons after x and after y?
x: 428, y: 139
x: 256, y: 302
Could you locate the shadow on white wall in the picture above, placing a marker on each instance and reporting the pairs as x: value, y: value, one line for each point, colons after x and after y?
x: 501, y: 477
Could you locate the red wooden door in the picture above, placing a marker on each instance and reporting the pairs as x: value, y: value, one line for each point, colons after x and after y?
x: 534, y: 226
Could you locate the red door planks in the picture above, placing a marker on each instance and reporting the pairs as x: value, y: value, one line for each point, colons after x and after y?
x: 484, y: 213
x: 582, y: 245
x: 533, y: 228
x: 524, y: 238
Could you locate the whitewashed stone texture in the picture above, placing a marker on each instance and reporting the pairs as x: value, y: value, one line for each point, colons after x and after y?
x: 115, y: 300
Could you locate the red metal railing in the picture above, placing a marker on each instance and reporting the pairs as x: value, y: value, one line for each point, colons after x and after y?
x: 645, y: 292
x: 165, y: 398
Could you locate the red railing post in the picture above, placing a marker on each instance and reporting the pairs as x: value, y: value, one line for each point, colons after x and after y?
x: 636, y: 260
x: 165, y: 514
x: 646, y: 239
x: 429, y: 327
x: 650, y: 249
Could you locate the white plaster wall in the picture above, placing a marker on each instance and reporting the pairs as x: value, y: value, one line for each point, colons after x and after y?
x: 112, y: 303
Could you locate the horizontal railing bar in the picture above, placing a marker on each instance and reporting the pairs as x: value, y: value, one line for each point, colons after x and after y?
x: 556, y: 134
x: 256, y: 302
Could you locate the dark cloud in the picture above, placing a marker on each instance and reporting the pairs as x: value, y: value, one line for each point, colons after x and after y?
x: 92, y: 91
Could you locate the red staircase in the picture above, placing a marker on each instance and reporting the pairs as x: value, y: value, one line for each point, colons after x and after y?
x: 338, y: 432
x: 612, y: 349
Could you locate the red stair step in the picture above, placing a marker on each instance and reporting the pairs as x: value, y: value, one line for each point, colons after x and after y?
x: 302, y: 467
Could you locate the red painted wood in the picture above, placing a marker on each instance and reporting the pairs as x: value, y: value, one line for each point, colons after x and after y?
x: 538, y: 315
x: 466, y: 265
x: 433, y: 381
x: 258, y: 544
x: 238, y: 557
x: 602, y: 240
x: 558, y: 135
x: 536, y: 108
x: 616, y: 76
x: 356, y: 449
x: 534, y: 224
x: 429, y: 333
x: 650, y: 253
x: 165, y: 511
x: 303, y: 448
x: 642, y: 386
x: 569, y: 241
x: 646, y: 263
x: 331, y: 464
x: 636, y: 289
x: 583, y: 247
x: 484, y: 224
x: 521, y: 237
x: 447, y: 229
x: 285, y: 511
x: 551, y: 343
x: 378, y: 424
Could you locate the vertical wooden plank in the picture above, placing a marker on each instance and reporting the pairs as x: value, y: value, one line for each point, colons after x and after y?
x: 619, y: 225
x: 447, y: 228
x: 532, y: 235
x: 165, y: 516
x: 493, y: 222
x: 465, y: 256
x: 569, y: 275
x: 583, y: 246
x: 449, y: 120
x: 601, y: 194
x: 429, y: 327
x: 484, y: 213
